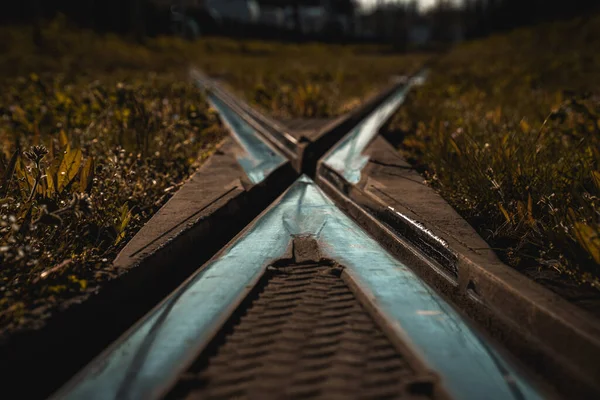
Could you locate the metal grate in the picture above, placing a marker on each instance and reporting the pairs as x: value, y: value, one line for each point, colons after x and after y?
x: 302, y: 334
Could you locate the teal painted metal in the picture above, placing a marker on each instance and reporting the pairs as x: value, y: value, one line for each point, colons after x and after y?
x: 143, y: 363
x: 259, y: 159
x: 346, y: 157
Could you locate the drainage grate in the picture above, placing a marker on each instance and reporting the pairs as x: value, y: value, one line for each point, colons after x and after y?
x: 302, y: 334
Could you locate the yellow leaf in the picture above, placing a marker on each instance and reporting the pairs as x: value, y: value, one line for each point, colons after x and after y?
x: 69, y: 167
x: 504, y: 212
x: 125, y: 218
x: 64, y: 140
x: 525, y: 126
x: 521, y: 210
x: 52, y: 176
x: 23, y: 177
x: 455, y: 146
x: 596, y: 179
x: 589, y: 239
x: 43, y: 187
x: 50, y: 181
x: 530, y: 210
x: 87, y: 175
x: 51, y: 150
x: 81, y: 282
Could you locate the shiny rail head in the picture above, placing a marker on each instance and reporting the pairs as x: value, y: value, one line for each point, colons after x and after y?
x: 423, y: 239
x: 200, y: 78
x: 262, y: 124
x: 259, y: 159
x: 148, y: 359
x: 400, y: 225
x: 347, y: 156
x: 417, y: 225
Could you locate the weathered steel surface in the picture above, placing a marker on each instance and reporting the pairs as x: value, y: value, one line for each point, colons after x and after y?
x: 149, y: 358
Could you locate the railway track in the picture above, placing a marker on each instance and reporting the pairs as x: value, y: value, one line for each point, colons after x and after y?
x: 334, y: 290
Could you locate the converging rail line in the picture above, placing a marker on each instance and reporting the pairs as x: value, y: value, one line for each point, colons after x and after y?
x: 323, y: 295
x: 308, y: 226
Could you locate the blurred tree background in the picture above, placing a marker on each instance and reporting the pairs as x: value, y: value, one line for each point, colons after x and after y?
x: 483, y: 17
x: 392, y: 19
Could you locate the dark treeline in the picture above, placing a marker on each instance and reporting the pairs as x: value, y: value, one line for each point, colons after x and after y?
x: 141, y: 18
x: 138, y: 17
x: 482, y: 17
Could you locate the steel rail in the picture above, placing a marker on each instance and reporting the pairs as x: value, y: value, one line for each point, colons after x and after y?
x: 148, y: 359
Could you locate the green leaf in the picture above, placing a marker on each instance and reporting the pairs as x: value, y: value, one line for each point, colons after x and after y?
x: 69, y: 167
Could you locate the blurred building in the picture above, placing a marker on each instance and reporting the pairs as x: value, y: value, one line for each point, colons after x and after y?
x: 405, y: 26
x: 387, y: 22
x: 308, y: 17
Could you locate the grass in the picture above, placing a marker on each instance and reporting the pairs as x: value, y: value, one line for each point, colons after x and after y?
x: 98, y: 132
x: 311, y: 80
x: 507, y: 129
x: 89, y: 164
